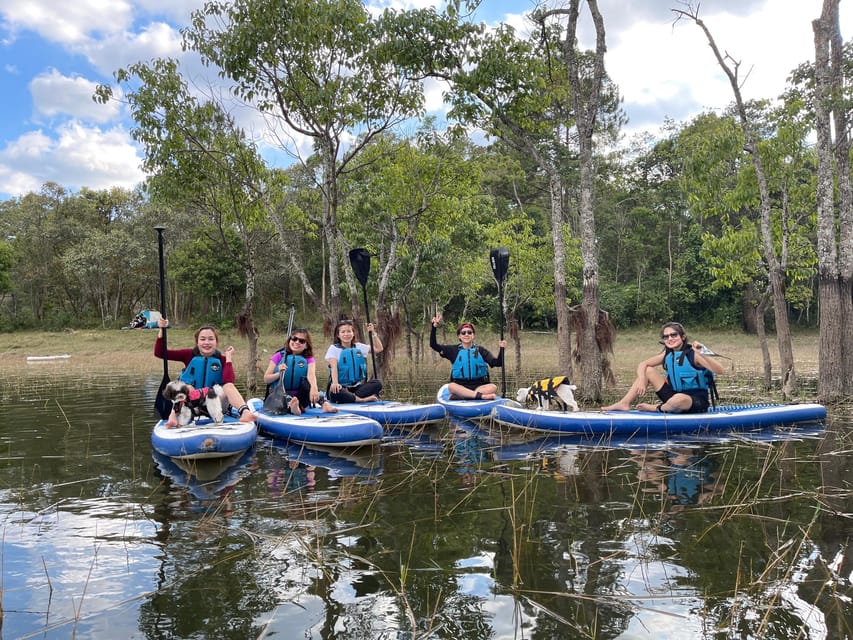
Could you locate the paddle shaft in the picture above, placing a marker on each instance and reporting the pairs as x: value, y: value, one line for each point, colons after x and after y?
x: 499, y: 259
x: 161, y: 405
x: 289, y: 333
x: 360, y: 261
x: 369, y: 333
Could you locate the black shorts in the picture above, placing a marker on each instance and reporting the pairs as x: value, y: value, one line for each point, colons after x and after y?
x: 472, y: 384
x: 700, y: 397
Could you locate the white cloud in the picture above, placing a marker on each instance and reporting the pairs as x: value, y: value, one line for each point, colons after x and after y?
x: 78, y: 156
x: 69, y: 22
x: 155, y: 40
x: 178, y: 10
x: 57, y: 95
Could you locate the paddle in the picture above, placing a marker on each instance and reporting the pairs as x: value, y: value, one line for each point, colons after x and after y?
x: 286, y: 341
x: 161, y: 404
x: 289, y: 333
x: 500, y: 262
x: 290, y: 320
x: 360, y: 261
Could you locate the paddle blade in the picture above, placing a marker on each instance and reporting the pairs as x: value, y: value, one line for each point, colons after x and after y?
x: 360, y: 261
x: 161, y: 405
x: 500, y: 263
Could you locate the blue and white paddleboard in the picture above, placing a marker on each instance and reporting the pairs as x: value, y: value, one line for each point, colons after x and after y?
x: 313, y: 427
x: 466, y: 409
x: 731, y: 417
x: 204, y: 438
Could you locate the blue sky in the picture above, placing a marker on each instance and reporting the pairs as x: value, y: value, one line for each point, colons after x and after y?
x: 55, y: 53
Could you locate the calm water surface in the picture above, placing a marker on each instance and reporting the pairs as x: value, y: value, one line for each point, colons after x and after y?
x: 453, y: 531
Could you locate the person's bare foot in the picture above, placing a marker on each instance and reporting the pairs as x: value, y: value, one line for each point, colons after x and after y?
x: 618, y: 406
x: 367, y: 399
x: 246, y: 415
x: 172, y: 422
x: 294, y: 407
x: 488, y: 396
x: 645, y: 406
x: 328, y: 407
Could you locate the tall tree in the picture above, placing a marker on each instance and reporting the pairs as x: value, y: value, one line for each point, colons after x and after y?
x: 587, y: 95
x: 835, y: 221
x: 199, y: 159
x: 322, y: 70
x: 514, y: 90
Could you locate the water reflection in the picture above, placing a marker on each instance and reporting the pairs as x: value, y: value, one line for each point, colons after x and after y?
x: 455, y: 530
x: 208, y: 481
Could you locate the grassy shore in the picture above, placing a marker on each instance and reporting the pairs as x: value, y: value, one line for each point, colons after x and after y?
x: 131, y: 351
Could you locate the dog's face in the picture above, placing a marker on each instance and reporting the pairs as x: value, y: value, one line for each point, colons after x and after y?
x: 176, y: 391
x: 522, y: 394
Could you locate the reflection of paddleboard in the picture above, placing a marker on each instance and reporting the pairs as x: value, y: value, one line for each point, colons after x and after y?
x: 314, y: 427
x: 345, y: 463
x: 534, y: 447
x: 204, y: 438
x: 205, y: 479
x: 466, y: 408
x: 64, y: 356
x: 731, y: 417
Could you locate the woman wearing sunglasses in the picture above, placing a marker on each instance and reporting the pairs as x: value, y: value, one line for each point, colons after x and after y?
x: 684, y: 385
x: 469, y: 377
x: 294, y: 366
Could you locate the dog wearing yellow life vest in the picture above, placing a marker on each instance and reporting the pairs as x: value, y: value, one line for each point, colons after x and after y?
x: 555, y: 393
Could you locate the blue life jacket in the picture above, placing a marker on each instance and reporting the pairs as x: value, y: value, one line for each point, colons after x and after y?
x: 469, y: 365
x: 296, y: 372
x: 203, y: 371
x: 683, y: 375
x: 352, y: 367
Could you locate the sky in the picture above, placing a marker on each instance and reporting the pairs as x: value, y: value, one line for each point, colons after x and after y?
x: 54, y: 54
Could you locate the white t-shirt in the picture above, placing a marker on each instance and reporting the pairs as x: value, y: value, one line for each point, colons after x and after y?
x: 334, y: 351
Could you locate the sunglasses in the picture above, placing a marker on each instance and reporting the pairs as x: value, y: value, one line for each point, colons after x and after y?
x: 466, y: 332
x: 669, y: 336
x: 299, y: 340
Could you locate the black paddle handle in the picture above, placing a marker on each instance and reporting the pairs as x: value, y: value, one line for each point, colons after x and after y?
x: 160, y: 231
x: 359, y: 258
x: 162, y: 406
x: 369, y: 332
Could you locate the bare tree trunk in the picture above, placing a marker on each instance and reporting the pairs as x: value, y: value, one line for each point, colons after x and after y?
x: 831, y: 383
x: 330, y: 232
x: 767, y: 365
x: 246, y: 326
x: 564, y: 336
x: 586, y: 101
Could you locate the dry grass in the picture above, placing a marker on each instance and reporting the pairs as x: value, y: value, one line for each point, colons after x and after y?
x: 131, y: 351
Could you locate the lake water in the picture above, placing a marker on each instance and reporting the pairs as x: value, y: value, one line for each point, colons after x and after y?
x: 452, y: 531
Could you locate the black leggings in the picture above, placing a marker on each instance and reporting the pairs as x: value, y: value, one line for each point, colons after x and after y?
x: 349, y: 394
x: 303, y: 393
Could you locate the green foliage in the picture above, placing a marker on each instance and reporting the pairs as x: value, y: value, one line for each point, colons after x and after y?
x: 201, y: 267
x: 6, y: 263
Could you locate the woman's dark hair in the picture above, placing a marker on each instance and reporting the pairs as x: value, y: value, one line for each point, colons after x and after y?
x: 675, y: 326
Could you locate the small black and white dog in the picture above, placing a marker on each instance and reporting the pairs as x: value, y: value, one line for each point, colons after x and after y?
x: 190, y: 404
x: 551, y: 393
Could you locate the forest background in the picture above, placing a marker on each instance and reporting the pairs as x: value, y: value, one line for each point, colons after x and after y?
x: 696, y: 226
